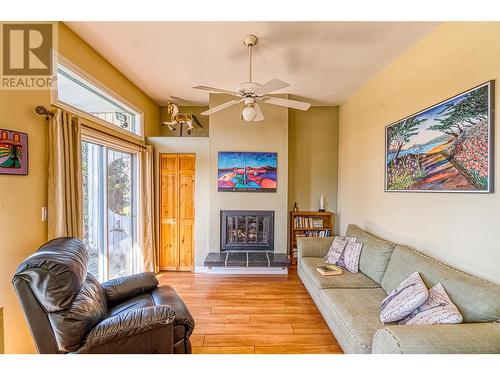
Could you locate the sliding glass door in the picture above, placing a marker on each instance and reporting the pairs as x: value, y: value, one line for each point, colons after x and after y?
x: 110, y: 204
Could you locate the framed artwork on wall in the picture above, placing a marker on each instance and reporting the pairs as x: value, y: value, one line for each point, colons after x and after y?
x: 445, y: 148
x: 247, y: 172
x: 13, y: 152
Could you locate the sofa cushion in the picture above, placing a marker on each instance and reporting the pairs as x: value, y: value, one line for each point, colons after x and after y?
x: 478, y: 300
x: 355, y: 313
x: 406, y: 298
x: 375, y: 254
x: 438, y: 309
x: 346, y: 280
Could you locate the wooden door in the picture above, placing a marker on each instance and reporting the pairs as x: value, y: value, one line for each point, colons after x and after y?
x: 186, y: 212
x: 177, y: 212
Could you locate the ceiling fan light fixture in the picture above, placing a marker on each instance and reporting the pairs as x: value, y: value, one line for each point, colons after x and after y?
x: 249, y: 113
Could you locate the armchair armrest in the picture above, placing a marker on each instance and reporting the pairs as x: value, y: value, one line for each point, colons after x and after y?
x: 316, y: 247
x: 465, y: 338
x: 127, y: 324
x: 129, y: 286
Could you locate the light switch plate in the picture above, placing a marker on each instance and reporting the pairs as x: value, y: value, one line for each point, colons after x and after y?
x: 44, y: 214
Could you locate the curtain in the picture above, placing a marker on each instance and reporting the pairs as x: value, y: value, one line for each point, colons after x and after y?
x: 148, y: 240
x: 65, y: 217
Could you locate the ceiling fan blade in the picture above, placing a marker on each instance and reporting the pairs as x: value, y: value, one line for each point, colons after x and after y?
x: 270, y: 86
x: 260, y: 115
x: 216, y: 90
x: 303, y: 106
x: 221, y: 107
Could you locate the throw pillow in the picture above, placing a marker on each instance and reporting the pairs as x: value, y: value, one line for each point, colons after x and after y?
x: 405, y: 299
x: 350, y: 257
x: 438, y: 309
x: 336, y: 249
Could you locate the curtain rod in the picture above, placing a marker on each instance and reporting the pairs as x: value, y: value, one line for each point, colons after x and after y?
x: 41, y: 110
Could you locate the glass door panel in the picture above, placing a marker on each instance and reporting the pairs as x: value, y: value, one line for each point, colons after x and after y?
x: 120, y: 210
x: 110, y: 202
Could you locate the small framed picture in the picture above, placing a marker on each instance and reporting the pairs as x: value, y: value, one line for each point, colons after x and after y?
x: 13, y: 152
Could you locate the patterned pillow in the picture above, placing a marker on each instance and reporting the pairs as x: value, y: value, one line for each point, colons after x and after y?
x: 349, y: 259
x: 336, y: 249
x: 438, y: 309
x: 405, y: 299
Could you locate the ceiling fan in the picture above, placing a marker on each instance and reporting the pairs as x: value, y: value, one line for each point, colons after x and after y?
x: 250, y: 93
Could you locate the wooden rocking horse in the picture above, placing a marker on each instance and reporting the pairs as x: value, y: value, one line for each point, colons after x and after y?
x: 177, y: 118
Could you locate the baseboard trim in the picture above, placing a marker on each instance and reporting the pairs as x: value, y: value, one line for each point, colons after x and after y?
x: 243, y: 270
x: 200, y: 269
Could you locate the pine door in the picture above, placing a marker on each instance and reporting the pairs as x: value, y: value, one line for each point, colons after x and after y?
x: 177, y: 212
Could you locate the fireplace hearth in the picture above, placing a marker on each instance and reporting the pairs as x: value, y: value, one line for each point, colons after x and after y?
x: 247, y: 230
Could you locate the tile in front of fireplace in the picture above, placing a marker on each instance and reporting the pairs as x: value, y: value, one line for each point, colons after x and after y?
x: 216, y: 260
x: 236, y: 259
x: 258, y: 259
x: 278, y: 260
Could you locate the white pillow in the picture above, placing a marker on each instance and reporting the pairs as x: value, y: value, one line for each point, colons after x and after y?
x: 438, y: 309
x: 350, y: 257
x: 335, y: 251
x: 405, y: 299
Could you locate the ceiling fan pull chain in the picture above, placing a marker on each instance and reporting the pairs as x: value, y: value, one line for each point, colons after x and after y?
x: 250, y: 60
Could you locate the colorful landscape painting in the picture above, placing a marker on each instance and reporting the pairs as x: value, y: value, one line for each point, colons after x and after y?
x: 247, y: 171
x: 447, y: 147
x: 13, y: 152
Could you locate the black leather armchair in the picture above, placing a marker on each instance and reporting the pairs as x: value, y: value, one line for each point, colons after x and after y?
x: 68, y: 311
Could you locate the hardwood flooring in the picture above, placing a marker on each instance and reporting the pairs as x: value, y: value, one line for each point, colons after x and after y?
x: 252, y: 314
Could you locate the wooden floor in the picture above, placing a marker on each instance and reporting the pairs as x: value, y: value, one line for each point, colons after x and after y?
x: 252, y: 314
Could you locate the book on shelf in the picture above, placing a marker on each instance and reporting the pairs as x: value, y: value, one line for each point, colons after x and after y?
x: 329, y: 270
x: 308, y: 222
x: 314, y: 233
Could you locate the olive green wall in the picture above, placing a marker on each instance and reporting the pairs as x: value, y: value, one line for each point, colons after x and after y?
x: 313, y: 157
x: 192, y: 110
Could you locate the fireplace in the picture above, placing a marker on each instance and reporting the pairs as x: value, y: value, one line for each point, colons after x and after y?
x: 247, y: 230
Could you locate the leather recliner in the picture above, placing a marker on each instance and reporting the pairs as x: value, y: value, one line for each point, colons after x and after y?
x: 68, y: 311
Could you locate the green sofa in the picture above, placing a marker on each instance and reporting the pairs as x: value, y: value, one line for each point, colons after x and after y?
x: 350, y: 303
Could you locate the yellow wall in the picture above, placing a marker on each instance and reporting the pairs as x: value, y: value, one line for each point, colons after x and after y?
x: 460, y: 229
x: 313, y: 157
x: 22, y: 197
x: 193, y: 110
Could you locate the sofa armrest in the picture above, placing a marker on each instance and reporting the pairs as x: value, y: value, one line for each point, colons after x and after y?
x: 464, y: 338
x: 129, y: 286
x: 316, y: 247
x: 128, y: 323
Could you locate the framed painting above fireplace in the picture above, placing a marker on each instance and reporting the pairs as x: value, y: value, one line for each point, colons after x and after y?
x: 247, y: 172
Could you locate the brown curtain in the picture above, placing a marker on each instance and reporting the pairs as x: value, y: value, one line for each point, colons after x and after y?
x: 65, y: 218
x: 148, y: 241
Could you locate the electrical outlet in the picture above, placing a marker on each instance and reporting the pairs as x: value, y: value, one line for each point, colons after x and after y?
x: 44, y: 213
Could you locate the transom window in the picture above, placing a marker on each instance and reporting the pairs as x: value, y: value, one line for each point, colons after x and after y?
x: 78, y: 92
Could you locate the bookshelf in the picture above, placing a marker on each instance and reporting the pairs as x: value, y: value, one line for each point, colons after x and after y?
x: 309, y: 224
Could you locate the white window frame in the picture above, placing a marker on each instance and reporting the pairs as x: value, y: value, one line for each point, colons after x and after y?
x: 54, y: 99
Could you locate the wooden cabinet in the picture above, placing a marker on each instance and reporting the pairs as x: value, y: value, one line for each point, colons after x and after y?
x: 177, y: 212
x: 309, y: 224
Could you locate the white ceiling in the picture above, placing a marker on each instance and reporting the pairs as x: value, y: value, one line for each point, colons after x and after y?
x: 324, y: 62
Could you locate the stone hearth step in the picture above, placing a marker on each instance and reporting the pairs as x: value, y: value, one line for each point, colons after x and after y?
x: 247, y: 259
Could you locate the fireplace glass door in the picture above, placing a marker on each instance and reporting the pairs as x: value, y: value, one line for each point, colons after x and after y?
x: 247, y: 230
